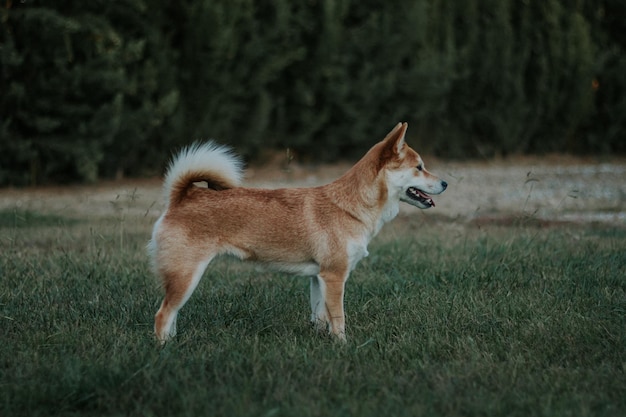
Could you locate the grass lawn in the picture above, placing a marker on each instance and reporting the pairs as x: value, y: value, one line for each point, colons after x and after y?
x: 443, y: 319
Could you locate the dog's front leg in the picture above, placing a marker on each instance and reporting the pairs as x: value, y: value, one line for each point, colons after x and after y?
x: 331, y: 285
x: 319, y: 318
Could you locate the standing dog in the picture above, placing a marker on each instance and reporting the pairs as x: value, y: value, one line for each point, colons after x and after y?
x: 322, y: 231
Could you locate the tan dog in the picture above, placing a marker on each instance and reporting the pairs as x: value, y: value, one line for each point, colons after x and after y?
x: 322, y: 231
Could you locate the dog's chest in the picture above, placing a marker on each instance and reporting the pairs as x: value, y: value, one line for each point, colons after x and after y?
x: 356, y: 250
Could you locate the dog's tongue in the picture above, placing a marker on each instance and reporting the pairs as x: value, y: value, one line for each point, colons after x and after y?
x: 425, y: 197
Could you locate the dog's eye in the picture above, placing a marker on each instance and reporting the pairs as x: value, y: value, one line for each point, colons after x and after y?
x: 420, y: 167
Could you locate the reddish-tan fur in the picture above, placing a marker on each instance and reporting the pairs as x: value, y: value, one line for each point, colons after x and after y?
x: 321, y: 231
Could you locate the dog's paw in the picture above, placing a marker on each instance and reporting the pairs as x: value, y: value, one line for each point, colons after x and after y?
x: 320, y: 325
x: 341, y: 338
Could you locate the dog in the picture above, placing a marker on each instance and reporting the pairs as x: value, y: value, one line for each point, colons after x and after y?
x: 321, y: 232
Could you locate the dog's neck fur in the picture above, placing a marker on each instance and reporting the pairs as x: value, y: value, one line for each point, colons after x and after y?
x: 375, y: 204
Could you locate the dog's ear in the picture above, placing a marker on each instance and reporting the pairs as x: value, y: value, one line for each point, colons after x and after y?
x: 394, y: 141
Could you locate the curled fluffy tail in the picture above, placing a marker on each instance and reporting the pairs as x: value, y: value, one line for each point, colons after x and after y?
x: 210, y: 162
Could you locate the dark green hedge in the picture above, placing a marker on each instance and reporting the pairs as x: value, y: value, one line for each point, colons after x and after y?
x: 92, y: 89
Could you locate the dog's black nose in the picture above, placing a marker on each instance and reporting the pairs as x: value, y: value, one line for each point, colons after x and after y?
x: 444, y: 184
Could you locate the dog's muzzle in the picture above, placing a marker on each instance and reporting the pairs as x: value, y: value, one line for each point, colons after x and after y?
x: 424, y: 200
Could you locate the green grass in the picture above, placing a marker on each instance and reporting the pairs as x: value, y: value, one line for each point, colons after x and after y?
x: 12, y: 218
x: 443, y: 320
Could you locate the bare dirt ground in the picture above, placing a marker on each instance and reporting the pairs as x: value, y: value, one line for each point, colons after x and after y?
x: 550, y: 189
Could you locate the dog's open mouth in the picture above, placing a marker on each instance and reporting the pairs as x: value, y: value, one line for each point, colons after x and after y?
x: 420, y: 196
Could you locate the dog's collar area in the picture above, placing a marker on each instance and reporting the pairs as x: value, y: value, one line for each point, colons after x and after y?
x: 418, y: 195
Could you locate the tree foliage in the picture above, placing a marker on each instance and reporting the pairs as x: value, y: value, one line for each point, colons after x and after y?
x: 84, y: 90
x: 100, y: 89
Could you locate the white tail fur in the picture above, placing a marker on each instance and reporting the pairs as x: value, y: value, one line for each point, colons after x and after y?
x: 206, y: 161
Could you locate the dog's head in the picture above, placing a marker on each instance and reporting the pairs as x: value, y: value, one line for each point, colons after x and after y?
x: 406, y: 175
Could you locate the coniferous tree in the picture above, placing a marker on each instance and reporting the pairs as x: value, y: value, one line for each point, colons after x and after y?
x: 606, y: 131
x: 77, y: 84
x: 100, y: 88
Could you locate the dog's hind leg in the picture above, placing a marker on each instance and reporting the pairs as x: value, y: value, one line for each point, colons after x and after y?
x: 179, y: 285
